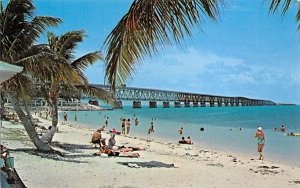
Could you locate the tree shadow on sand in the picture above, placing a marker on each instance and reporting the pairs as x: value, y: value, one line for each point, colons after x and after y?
x: 67, y: 153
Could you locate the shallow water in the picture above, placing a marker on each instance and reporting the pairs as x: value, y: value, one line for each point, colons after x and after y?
x: 221, y: 127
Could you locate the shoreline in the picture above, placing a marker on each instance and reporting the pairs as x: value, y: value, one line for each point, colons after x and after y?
x: 191, y: 166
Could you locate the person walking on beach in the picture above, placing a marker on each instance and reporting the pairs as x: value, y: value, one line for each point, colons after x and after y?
x: 260, y: 142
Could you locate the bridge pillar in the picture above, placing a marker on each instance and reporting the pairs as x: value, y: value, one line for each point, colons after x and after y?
x: 119, y: 105
x: 137, y: 104
x: 226, y: 102
x: 177, y: 104
x: 237, y: 102
x: 219, y: 102
x: 195, y: 104
x: 212, y: 102
x: 202, y: 102
x: 152, y: 104
x: 231, y: 102
x: 166, y: 104
x: 187, y: 104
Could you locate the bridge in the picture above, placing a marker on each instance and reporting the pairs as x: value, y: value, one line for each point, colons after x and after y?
x: 137, y: 95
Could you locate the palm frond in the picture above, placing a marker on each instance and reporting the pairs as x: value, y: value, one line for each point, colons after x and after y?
x: 87, y: 59
x: 150, y: 24
x: 298, y: 16
x: 277, y: 4
x: 68, y: 42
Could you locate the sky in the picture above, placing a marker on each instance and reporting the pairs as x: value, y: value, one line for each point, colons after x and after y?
x: 247, y: 52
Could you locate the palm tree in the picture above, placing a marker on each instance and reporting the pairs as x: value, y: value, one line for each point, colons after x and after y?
x: 150, y: 24
x: 19, y: 29
x: 284, y: 5
x: 62, y: 47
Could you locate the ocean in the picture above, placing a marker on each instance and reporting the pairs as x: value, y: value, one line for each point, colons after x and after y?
x: 229, y: 129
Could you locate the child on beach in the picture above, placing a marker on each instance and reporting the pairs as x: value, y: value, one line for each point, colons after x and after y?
x: 260, y: 142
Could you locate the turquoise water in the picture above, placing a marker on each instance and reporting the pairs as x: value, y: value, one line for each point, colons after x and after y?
x: 222, y: 127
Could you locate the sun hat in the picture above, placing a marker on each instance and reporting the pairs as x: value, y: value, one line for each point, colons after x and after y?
x: 259, y: 128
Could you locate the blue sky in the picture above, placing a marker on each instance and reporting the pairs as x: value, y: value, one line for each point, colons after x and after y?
x: 245, y: 53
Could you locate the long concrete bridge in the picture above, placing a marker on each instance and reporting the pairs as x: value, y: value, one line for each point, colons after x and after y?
x: 137, y: 95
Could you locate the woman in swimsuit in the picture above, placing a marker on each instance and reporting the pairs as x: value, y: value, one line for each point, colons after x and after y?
x: 260, y: 142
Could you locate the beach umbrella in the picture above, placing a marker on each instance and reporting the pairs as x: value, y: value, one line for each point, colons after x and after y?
x: 8, y: 70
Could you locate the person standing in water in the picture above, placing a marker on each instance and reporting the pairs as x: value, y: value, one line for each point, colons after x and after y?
x: 123, y: 126
x: 127, y: 126
x: 260, y: 142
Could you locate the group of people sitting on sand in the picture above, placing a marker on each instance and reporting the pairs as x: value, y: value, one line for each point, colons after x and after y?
x: 111, y: 149
x: 185, y: 141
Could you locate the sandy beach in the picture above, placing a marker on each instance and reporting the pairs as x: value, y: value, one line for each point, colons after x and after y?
x: 161, y: 164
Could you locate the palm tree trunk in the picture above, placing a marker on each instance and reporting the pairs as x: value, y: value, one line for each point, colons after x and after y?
x: 29, y: 127
x: 54, y: 112
x: 2, y: 102
x: 50, y: 134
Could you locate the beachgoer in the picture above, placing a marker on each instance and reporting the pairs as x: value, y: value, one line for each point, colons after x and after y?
x: 182, y: 141
x: 180, y: 131
x: 202, y: 129
x: 291, y: 134
x: 188, y: 140
x: 260, y: 142
x: 282, y: 128
x: 129, y: 148
x: 152, y: 127
x: 6, y: 168
x: 97, y: 137
x: 106, y: 121
x: 116, y: 153
x: 75, y: 118
x: 123, y: 126
x: 65, y: 116
x: 112, y: 141
x: 136, y: 121
x: 127, y: 126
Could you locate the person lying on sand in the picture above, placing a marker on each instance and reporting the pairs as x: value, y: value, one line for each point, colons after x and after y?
x: 116, y: 153
x: 128, y: 148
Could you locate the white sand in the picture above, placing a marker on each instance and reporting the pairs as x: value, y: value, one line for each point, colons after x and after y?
x: 193, y: 167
